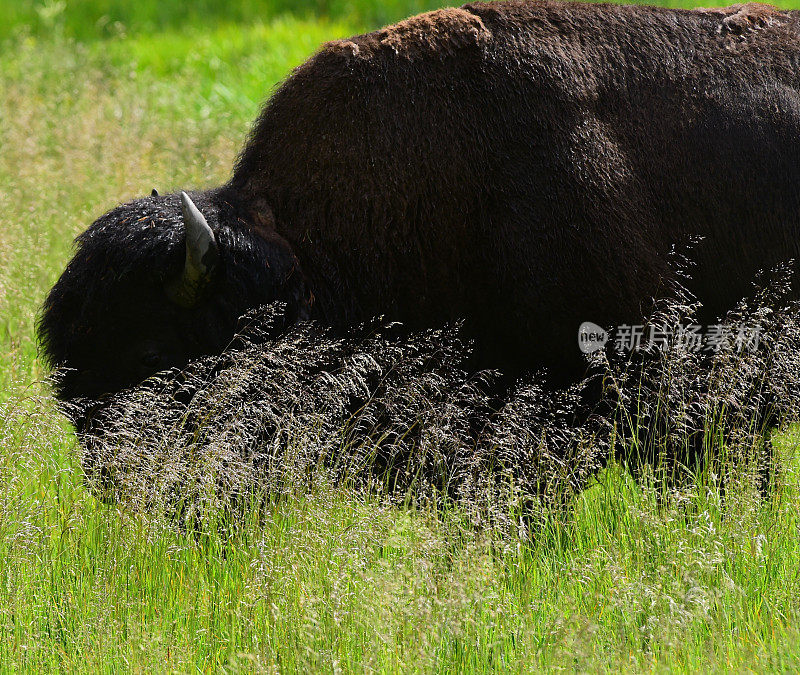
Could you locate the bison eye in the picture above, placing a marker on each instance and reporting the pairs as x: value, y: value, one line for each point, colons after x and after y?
x: 150, y: 359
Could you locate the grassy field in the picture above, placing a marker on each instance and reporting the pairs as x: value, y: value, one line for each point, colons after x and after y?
x: 101, y: 105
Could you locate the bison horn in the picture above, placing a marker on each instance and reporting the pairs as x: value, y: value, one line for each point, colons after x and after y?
x: 201, y: 256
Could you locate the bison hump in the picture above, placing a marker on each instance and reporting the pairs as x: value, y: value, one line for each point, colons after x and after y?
x: 441, y: 32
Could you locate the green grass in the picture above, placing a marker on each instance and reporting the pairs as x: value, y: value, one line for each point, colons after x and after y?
x: 93, y: 19
x: 93, y: 113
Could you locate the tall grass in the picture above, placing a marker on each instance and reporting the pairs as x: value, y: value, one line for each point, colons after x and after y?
x: 322, y: 575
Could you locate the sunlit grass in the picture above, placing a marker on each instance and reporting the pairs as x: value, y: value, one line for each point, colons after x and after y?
x: 324, y: 578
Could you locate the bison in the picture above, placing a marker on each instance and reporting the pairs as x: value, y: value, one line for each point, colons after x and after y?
x: 521, y: 166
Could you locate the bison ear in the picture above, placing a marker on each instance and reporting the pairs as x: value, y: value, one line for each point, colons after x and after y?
x: 201, y: 256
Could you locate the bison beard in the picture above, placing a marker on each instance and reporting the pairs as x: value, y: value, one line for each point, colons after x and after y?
x: 521, y: 166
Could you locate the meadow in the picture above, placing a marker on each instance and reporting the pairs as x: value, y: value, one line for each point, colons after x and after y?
x: 102, y: 102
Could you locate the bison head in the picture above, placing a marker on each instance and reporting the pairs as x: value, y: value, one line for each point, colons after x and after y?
x: 157, y: 282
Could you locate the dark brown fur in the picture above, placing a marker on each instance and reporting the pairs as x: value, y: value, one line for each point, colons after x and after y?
x: 529, y: 165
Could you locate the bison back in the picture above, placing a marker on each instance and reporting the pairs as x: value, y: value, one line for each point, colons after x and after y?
x: 528, y: 166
